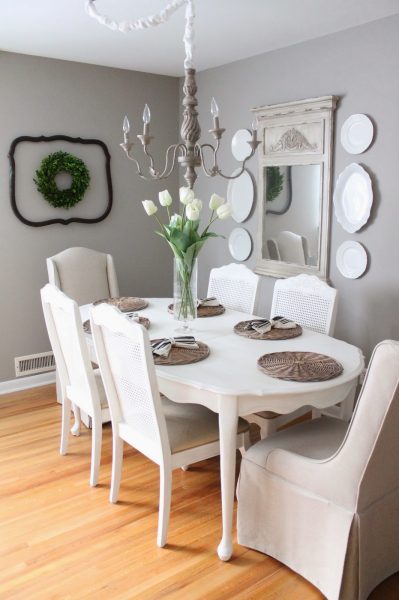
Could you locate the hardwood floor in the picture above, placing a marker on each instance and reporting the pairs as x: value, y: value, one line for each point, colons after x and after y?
x: 61, y: 539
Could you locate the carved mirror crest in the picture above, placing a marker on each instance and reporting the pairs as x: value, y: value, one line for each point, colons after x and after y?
x: 294, y: 187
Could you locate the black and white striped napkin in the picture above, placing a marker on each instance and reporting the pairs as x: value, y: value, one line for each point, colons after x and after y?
x: 211, y: 301
x: 283, y: 323
x: 163, y: 347
x: 259, y: 325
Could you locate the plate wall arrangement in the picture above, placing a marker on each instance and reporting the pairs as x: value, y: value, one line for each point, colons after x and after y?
x: 353, y: 198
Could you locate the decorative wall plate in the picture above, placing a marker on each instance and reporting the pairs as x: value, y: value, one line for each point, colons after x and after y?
x: 353, y: 198
x: 357, y: 134
x: 240, y: 244
x: 240, y: 194
x: 239, y: 144
x: 351, y: 259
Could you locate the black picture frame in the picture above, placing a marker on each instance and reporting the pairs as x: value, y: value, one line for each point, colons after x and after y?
x: 54, y: 138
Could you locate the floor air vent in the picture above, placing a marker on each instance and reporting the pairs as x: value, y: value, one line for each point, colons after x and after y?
x: 34, y: 363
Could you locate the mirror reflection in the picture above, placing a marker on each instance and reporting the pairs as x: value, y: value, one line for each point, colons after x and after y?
x: 292, y: 213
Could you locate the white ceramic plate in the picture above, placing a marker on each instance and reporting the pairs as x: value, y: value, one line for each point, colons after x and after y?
x: 240, y: 194
x: 353, y: 198
x: 351, y: 259
x: 239, y: 144
x: 357, y: 134
x: 240, y: 244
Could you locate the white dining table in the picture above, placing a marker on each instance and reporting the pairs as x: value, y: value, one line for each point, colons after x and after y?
x: 230, y: 383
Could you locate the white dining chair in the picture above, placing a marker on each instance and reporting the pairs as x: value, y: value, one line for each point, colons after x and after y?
x: 80, y: 385
x: 85, y: 275
x: 323, y: 496
x: 170, y: 434
x: 311, y: 303
x: 235, y: 286
x: 292, y: 247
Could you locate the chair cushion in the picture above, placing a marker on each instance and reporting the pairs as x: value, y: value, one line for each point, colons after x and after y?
x: 191, y: 425
x: 318, y: 439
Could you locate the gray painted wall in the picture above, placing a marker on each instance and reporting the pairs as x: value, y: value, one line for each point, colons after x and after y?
x: 361, y: 66
x: 44, y: 96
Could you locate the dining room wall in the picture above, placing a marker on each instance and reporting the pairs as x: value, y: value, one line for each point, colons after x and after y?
x: 42, y: 96
x: 360, y: 65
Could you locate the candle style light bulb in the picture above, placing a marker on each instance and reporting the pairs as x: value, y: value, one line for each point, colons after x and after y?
x: 254, y: 125
x: 214, y: 108
x: 126, y: 125
x: 146, y: 114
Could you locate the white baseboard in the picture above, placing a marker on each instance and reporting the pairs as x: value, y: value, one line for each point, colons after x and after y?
x: 24, y: 383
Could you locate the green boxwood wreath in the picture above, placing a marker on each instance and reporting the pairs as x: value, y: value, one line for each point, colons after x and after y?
x: 61, y: 162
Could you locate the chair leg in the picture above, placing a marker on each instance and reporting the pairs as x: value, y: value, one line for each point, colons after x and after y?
x: 117, y: 460
x: 96, y: 439
x: 66, y: 415
x: 165, y: 491
x: 75, y: 430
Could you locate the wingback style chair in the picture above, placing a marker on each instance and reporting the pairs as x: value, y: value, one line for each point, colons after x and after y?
x: 83, y: 274
x: 323, y: 497
x: 79, y: 383
x: 235, y: 286
x: 170, y: 434
x: 311, y: 303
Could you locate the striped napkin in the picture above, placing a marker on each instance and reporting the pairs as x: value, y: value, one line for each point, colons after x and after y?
x: 259, y: 325
x: 164, y: 346
x: 283, y: 323
x: 211, y: 301
x: 132, y: 316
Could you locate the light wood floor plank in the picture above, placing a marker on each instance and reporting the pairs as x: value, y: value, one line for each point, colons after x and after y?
x: 62, y: 540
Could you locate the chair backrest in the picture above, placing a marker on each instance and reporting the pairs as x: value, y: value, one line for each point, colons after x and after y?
x: 67, y: 338
x: 306, y: 300
x: 366, y: 463
x: 235, y: 286
x: 292, y: 247
x: 128, y: 373
x: 83, y: 274
x: 272, y: 248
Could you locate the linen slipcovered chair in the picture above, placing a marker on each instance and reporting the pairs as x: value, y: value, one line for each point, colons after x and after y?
x: 323, y: 496
x: 170, y: 434
x: 80, y: 385
x: 83, y: 274
x: 312, y: 303
x: 235, y: 286
x: 292, y: 247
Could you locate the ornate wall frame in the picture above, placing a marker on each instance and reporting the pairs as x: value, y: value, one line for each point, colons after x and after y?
x: 296, y: 133
x: 53, y: 138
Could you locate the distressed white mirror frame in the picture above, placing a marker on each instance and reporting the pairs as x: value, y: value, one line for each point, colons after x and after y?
x: 296, y: 133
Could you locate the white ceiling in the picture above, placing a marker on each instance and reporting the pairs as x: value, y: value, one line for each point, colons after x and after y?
x: 226, y: 30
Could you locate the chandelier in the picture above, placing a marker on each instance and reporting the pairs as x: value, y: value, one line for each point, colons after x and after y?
x: 189, y: 153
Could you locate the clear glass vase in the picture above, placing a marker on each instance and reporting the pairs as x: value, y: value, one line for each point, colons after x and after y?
x: 185, y: 291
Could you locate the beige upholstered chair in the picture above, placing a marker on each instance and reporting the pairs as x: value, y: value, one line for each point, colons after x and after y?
x: 323, y: 497
x: 313, y: 304
x: 292, y: 247
x: 235, y: 286
x: 170, y: 434
x: 83, y: 274
x: 80, y: 385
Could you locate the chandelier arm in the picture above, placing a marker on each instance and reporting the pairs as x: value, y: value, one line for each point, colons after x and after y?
x: 214, y: 170
x: 154, y: 174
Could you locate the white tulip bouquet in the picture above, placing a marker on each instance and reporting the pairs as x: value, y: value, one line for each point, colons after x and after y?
x: 182, y: 234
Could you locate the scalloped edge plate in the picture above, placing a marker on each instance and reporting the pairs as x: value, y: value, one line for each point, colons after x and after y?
x: 241, y: 195
x: 353, y: 198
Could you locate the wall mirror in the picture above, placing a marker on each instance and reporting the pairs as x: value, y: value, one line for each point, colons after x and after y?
x: 294, y: 187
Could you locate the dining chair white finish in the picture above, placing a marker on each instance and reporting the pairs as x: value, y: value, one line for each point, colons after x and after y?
x: 85, y: 275
x: 170, y: 434
x: 80, y: 385
x: 311, y: 303
x: 292, y: 247
x: 235, y: 286
x: 322, y: 497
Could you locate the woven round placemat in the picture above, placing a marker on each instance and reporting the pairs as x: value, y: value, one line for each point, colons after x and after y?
x: 300, y: 366
x: 205, y: 311
x: 142, y: 320
x: 124, y: 303
x: 183, y: 356
x: 273, y: 334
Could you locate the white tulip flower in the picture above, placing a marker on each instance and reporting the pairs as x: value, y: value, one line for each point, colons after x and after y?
x: 215, y: 202
x: 196, y: 203
x: 224, y: 211
x: 176, y: 221
x: 165, y: 199
x: 192, y: 212
x: 186, y: 195
x: 149, y: 207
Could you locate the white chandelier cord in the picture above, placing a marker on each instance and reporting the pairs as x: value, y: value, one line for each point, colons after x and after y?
x: 152, y: 21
